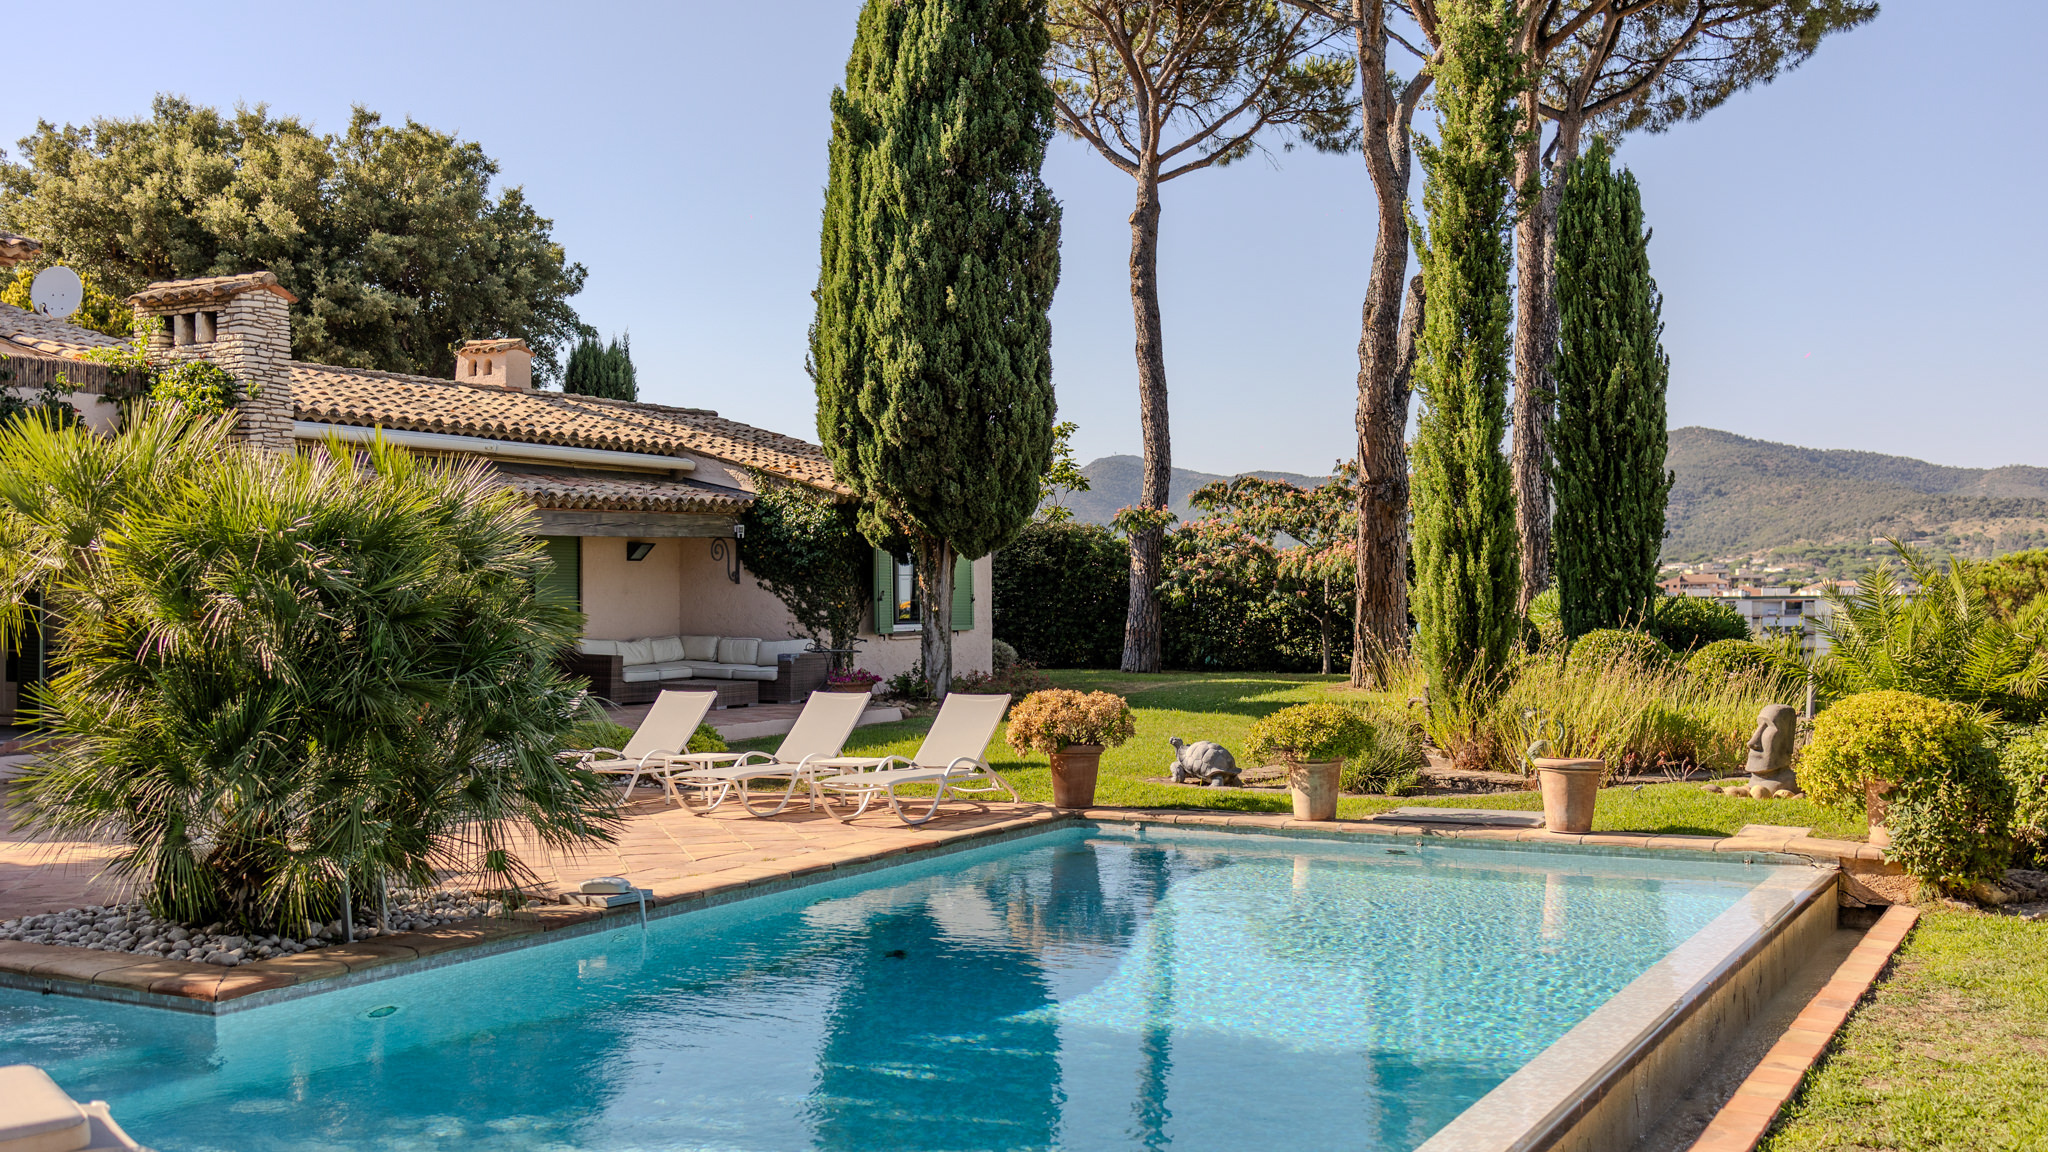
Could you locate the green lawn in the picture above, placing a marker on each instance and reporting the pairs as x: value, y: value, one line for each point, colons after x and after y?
x: 1950, y: 1052
x: 1221, y: 706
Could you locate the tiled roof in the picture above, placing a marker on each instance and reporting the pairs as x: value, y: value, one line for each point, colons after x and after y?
x: 209, y: 289
x: 367, y: 398
x: 49, y: 335
x: 14, y: 249
x: 586, y: 490
x: 485, y: 347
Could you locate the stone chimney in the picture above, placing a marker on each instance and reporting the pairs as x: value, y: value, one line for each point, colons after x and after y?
x: 501, y: 363
x: 243, y: 325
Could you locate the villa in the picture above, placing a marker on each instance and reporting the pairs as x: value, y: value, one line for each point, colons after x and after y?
x: 639, y: 504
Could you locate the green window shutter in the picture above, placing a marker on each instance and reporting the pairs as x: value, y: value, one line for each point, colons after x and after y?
x: 963, y: 594
x: 885, y: 593
x: 566, y: 578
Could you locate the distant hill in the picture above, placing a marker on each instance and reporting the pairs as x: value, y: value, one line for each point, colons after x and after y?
x: 1735, y: 496
x: 1114, y: 482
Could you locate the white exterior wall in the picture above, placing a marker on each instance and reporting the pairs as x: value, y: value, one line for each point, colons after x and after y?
x: 887, y: 656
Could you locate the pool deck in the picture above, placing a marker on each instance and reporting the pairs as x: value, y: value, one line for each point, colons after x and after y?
x: 679, y: 856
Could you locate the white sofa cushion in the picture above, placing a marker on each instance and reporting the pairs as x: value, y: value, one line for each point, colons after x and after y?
x: 706, y: 670
x: 674, y: 670
x: 738, y: 649
x: 640, y: 673
x: 703, y: 648
x: 668, y: 648
x: 633, y: 652
x: 599, y: 647
x: 749, y: 671
x: 772, y: 651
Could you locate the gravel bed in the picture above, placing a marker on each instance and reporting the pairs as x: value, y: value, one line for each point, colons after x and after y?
x: 130, y: 928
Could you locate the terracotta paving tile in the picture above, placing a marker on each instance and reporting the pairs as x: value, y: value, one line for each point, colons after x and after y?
x: 194, y: 985
x: 367, y: 954
x: 238, y: 983
x: 142, y: 977
x: 303, y: 966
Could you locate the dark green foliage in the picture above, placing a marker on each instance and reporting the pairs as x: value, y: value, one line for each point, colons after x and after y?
x: 939, y: 253
x: 1686, y: 622
x: 279, y: 672
x: 1956, y: 831
x: 1606, y: 646
x: 1723, y: 658
x: 600, y: 369
x: 2012, y: 582
x: 1464, y: 540
x: 2024, y: 761
x: 1391, y: 763
x: 1608, y: 438
x: 807, y: 549
x: 390, y: 236
x: 1059, y: 595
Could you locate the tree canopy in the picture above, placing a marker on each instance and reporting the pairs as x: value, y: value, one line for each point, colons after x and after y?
x: 390, y: 236
x: 600, y: 369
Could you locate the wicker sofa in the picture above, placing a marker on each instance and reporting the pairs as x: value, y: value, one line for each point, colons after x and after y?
x: 741, y: 669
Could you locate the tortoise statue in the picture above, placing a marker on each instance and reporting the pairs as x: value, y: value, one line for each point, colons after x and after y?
x: 1204, y: 762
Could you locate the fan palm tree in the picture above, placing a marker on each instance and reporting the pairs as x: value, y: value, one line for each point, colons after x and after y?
x: 1942, y: 641
x: 276, y: 674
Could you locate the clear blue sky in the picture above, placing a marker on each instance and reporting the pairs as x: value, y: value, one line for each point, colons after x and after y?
x: 1850, y: 257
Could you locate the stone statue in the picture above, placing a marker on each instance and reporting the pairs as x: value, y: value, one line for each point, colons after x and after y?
x: 1204, y: 762
x: 1770, y: 748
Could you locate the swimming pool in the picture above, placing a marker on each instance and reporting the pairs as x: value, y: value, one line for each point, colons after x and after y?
x: 1084, y: 988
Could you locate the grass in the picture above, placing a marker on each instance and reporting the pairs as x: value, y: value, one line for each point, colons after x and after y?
x: 1951, y: 1052
x: 1222, y: 706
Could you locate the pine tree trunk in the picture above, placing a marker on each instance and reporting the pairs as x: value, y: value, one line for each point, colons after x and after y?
x: 1535, y: 337
x: 1142, y: 625
x: 935, y: 589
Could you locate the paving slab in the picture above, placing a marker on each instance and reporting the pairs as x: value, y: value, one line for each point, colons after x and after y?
x: 1461, y: 817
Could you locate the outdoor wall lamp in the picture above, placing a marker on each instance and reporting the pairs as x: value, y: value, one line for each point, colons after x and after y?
x: 638, y: 549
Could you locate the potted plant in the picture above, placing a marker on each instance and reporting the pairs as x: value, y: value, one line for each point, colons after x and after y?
x: 1570, y: 784
x: 1312, y: 740
x: 1072, y: 729
x: 853, y: 680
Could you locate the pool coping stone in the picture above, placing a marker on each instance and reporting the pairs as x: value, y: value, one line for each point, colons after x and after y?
x: 209, y: 989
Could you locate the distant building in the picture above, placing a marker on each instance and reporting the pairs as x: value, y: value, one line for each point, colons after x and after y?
x: 1695, y: 584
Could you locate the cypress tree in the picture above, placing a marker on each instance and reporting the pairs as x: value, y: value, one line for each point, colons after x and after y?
x: 1465, y: 546
x: 931, y: 347
x: 606, y: 370
x: 1610, y: 436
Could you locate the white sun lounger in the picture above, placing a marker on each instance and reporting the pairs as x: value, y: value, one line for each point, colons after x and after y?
x: 662, y: 736
x: 951, y: 756
x: 819, y: 734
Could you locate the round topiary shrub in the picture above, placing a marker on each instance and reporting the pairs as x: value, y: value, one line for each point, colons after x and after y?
x: 1390, y: 763
x: 1605, y: 647
x: 1309, y: 733
x: 1688, y: 622
x: 1002, y: 657
x: 1892, y: 736
x: 1724, y: 658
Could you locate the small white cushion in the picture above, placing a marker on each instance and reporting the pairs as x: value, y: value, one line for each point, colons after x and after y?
x: 640, y: 673
x: 667, y: 648
x: 772, y: 651
x: 738, y: 650
x: 703, y: 648
x: 706, y: 670
x: 749, y: 671
x: 599, y: 647
x: 636, y: 652
x: 673, y: 670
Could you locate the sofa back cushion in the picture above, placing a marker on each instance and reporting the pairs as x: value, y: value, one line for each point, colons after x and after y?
x: 703, y: 648
x: 599, y: 647
x: 738, y: 649
x: 772, y: 651
x: 633, y: 652
x: 667, y: 649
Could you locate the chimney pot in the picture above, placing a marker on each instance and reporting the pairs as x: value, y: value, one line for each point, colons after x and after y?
x: 501, y: 363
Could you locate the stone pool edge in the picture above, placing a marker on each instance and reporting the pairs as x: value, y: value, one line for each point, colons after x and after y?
x: 1612, y: 1077
x: 130, y: 978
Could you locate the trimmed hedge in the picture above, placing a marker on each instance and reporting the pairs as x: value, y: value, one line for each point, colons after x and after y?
x: 1687, y: 622
x: 1608, y: 646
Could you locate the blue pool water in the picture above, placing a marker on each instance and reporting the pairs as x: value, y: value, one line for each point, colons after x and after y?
x: 1082, y: 989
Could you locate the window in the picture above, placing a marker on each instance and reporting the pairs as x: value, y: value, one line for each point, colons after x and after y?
x: 896, y: 602
x: 566, y: 578
x: 909, y: 615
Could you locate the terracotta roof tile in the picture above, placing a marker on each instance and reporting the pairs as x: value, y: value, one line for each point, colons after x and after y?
x: 14, y: 249
x: 482, y: 347
x: 208, y: 289
x: 367, y: 398
x: 581, y: 490
x: 49, y: 335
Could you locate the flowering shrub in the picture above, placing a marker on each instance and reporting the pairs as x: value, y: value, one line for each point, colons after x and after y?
x: 1308, y: 733
x: 1018, y: 679
x: 856, y: 680
x: 1051, y: 720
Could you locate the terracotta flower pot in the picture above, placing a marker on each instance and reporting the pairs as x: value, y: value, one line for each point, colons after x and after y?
x: 1876, y: 803
x: 1313, y: 785
x: 1074, y: 768
x: 1570, y: 790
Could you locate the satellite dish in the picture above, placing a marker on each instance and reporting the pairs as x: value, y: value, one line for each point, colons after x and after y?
x: 57, y: 290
